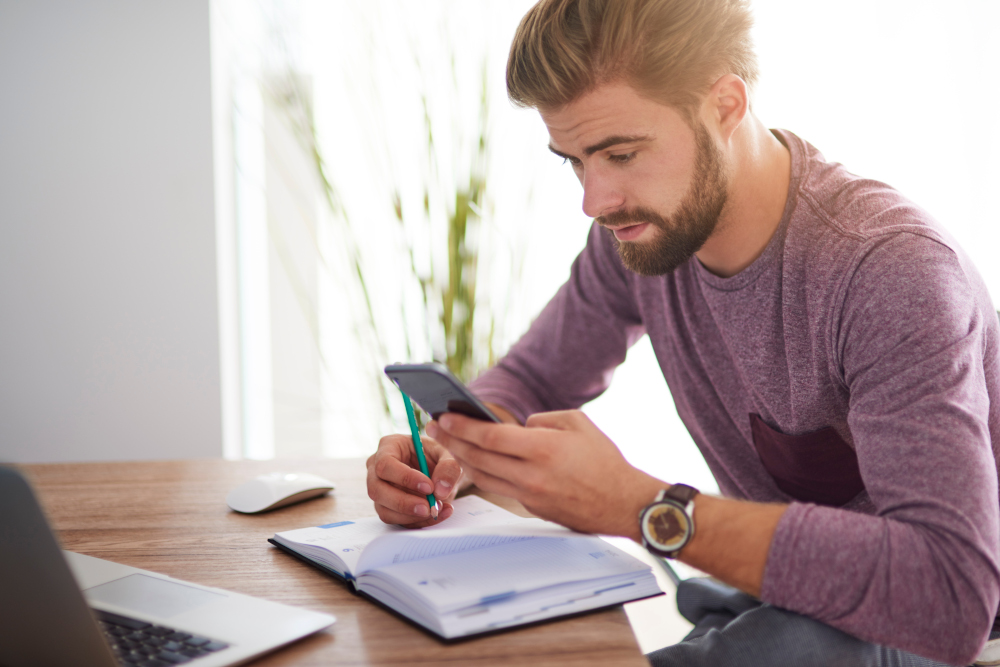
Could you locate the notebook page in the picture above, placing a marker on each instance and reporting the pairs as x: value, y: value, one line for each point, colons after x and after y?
x: 492, y: 574
x: 346, y: 540
x: 472, y: 511
x: 475, y: 523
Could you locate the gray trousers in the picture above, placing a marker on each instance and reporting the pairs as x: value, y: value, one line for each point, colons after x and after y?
x: 733, y: 629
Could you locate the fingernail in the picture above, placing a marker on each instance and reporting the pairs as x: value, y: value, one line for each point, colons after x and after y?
x: 421, y: 509
x: 444, y: 484
x: 432, y: 429
x: 425, y: 488
x: 445, y: 422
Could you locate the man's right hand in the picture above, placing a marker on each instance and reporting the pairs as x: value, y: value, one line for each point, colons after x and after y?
x: 400, y: 490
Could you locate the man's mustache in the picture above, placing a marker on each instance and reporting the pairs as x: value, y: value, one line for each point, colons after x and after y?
x: 631, y: 216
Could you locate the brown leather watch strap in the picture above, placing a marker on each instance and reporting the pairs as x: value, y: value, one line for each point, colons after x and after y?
x: 682, y: 493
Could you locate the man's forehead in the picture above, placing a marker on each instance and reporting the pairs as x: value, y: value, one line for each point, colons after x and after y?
x: 599, y: 108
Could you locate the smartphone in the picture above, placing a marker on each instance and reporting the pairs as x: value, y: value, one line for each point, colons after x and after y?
x: 437, y: 391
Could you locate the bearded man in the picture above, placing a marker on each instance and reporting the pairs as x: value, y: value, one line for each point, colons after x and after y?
x: 832, y: 351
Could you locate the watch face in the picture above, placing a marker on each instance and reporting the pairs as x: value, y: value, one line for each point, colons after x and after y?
x: 666, y: 526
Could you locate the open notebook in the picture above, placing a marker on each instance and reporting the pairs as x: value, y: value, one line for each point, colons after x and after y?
x: 482, y: 570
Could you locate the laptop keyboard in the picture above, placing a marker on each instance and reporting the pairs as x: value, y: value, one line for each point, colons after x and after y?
x: 143, y: 644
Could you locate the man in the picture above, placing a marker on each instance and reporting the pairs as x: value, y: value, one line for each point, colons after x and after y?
x: 832, y: 352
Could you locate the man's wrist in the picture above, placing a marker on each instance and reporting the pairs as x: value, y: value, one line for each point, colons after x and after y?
x: 644, y: 494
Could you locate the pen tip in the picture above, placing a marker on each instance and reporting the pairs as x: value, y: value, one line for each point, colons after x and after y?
x: 435, y: 510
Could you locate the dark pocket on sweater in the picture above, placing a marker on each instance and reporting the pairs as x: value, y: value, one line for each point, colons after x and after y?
x: 817, y: 467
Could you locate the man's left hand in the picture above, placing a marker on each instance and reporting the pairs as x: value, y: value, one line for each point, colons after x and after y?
x: 560, y: 466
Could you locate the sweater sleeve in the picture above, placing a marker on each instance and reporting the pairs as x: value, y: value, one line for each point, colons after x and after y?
x: 921, y: 574
x: 569, y: 353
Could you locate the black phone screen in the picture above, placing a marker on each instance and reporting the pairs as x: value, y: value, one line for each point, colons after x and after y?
x: 437, y: 391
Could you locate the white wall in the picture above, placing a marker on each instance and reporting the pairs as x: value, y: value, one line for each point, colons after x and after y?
x: 108, y: 322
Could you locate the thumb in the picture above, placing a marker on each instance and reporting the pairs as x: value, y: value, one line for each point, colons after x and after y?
x: 447, y: 471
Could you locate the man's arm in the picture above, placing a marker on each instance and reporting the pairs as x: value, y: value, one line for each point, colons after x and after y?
x: 912, y: 343
x: 732, y: 540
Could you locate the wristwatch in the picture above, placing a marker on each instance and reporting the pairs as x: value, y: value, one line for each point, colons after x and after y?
x: 667, y: 524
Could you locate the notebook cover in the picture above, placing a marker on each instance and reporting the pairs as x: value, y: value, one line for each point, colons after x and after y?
x: 446, y: 640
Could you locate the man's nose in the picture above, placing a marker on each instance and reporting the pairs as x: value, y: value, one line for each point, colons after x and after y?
x: 600, y: 195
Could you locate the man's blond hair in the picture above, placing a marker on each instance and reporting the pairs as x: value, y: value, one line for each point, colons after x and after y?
x: 670, y: 51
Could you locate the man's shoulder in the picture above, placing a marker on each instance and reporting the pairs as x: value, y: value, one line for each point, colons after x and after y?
x: 855, y: 242
x: 847, y: 215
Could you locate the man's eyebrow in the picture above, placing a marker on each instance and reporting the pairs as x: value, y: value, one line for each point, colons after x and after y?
x: 606, y: 143
x: 559, y: 153
x: 616, y: 139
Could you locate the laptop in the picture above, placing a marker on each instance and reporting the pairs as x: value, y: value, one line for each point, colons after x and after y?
x: 63, y: 608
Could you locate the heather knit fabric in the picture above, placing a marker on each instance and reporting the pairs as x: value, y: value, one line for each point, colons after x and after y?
x: 859, y: 351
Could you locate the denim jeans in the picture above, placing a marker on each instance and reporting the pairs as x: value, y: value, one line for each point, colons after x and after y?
x: 733, y: 629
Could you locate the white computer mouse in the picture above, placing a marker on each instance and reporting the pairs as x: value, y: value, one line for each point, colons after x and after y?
x: 276, y: 489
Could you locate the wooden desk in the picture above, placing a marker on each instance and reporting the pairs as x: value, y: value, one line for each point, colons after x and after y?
x: 171, y: 517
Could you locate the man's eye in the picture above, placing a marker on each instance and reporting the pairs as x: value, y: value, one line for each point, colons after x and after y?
x: 572, y: 161
x: 622, y: 159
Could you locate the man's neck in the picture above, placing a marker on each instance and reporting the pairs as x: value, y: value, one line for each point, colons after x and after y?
x: 759, y: 174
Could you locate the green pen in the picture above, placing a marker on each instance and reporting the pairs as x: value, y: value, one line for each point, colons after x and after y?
x: 419, y: 447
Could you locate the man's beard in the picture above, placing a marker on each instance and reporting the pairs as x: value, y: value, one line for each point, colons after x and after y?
x: 679, y: 237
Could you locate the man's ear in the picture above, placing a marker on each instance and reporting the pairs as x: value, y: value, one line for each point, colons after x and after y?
x: 728, y: 103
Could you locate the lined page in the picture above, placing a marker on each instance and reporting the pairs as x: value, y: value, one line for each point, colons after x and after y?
x: 476, y: 523
x: 345, y: 541
x: 472, y: 511
x: 506, y: 569
x: 408, y: 548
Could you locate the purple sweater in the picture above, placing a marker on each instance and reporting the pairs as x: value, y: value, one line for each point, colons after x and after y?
x: 852, y: 370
